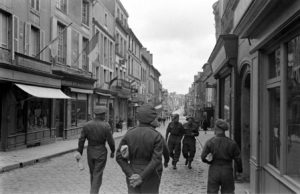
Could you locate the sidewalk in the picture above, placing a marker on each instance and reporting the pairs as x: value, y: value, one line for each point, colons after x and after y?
x: 240, y: 187
x: 19, y: 158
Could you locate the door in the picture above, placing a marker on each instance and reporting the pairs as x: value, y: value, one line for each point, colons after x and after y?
x: 59, y: 118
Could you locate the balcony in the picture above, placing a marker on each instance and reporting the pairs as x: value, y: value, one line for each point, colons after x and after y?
x: 122, y: 25
x: 5, y: 55
x: 121, y: 83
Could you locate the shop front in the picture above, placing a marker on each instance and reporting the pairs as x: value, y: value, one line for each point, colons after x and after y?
x: 27, y: 99
x: 72, y: 114
x: 275, y: 91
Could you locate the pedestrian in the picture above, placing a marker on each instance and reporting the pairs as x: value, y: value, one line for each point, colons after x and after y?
x: 189, y: 141
x: 143, y: 164
x: 222, y: 151
x: 176, y: 131
x: 97, y: 132
x: 205, y: 124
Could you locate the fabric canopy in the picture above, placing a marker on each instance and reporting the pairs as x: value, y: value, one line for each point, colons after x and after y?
x: 43, y: 92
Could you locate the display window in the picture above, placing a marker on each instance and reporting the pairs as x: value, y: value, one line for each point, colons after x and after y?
x: 78, y: 109
x: 38, y: 114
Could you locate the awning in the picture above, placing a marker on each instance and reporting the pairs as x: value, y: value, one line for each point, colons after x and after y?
x: 78, y: 90
x: 43, y: 92
x: 103, y: 94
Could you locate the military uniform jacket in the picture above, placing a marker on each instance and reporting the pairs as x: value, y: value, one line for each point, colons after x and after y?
x: 97, y: 132
x: 190, y: 130
x: 223, y: 150
x: 175, y: 128
x: 145, y: 146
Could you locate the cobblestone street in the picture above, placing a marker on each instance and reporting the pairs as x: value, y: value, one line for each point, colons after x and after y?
x: 61, y: 175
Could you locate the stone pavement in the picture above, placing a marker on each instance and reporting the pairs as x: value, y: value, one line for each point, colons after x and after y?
x: 28, y: 156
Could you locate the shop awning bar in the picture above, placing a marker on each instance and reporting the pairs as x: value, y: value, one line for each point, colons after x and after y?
x: 103, y: 94
x: 84, y: 91
x: 43, y: 92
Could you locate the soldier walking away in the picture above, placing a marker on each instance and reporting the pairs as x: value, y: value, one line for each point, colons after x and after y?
x: 142, y: 164
x: 222, y: 151
x: 97, y: 132
x: 189, y: 141
x: 176, y: 130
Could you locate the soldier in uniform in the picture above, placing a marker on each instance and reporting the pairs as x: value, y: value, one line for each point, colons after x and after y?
x: 143, y: 164
x: 97, y: 132
x: 176, y: 130
x: 189, y: 141
x: 223, y: 151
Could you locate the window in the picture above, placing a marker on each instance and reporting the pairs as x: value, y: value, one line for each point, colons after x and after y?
x: 85, y: 12
x: 105, y: 52
x: 225, y: 102
x: 293, y: 109
x: 78, y: 109
x: 274, y: 64
x: 62, y: 5
x: 3, y: 30
x: 38, y: 114
x: 34, y: 41
x: 75, y: 48
x: 105, y: 19
x: 85, y: 42
x: 61, y: 58
x: 35, y: 4
x: 97, y: 75
x: 274, y: 126
x: 110, y: 54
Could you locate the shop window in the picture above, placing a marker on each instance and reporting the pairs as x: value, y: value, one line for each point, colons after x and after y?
x: 38, y: 114
x: 293, y: 110
x: 274, y: 64
x: 274, y: 126
x: 79, y: 110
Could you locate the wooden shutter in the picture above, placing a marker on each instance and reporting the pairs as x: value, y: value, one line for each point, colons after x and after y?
x: 15, y: 44
x: 21, y: 36
x: 27, y: 38
x: 42, y: 44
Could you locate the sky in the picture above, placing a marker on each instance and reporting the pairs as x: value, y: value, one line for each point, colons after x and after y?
x: 180, y: 35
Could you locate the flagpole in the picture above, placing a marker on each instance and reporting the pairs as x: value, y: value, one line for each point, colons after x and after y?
x: 87, y: 45
x: 37, y: 55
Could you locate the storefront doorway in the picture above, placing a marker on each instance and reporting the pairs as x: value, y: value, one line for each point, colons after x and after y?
x: 59, y: 118
x: 245, y: 124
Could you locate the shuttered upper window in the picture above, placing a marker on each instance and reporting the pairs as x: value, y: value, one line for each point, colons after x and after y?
x: 3, y: 30
x: 85, y: 12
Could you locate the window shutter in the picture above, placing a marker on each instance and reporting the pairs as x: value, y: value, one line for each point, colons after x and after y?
x: 15, y: 47
x: 27, y: 37
x: 21, y: 36
x: 42, y: 44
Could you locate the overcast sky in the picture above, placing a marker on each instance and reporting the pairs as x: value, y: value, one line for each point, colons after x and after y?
x: 179, y: 34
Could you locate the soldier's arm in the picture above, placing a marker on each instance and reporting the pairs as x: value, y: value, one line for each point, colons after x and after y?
x: 237, y: 158
x: 81, y: 140
x: 156, y: 157
x: 168, y: 131
x: 205, y: 152
x: 166, y: 153
x: 123, y: 162
x: 110, y: 139
x: 196, y: 131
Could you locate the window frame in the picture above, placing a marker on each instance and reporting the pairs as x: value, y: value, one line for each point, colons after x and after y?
x: 85, y: 15
x: 3, y: 15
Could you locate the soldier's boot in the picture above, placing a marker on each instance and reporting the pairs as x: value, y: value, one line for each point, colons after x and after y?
x: 190, y: 165
x: 174, y: 164
x: 186, y: 161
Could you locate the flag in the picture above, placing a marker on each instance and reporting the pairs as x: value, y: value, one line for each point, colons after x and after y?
x: 91, y: 50
x: 111, y: 81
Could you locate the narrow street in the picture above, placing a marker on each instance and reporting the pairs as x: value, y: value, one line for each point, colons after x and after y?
x: 61, y: 175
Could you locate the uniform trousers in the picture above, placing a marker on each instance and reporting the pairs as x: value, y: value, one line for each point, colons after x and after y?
x: 189, y: 148
x: 174, y: 145
x: 97, y: 157
x: 220, y: 176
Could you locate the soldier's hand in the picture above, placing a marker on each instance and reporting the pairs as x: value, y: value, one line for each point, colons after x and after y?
x: 112, y: 155
x: 135, y: 180
x: 77, y: 156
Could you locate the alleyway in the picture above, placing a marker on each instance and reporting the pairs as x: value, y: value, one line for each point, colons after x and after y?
x: 61, y: 175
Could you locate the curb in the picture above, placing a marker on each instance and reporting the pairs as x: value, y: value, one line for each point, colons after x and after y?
x: 41, y: 159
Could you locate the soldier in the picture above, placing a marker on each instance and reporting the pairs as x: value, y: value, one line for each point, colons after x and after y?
x: 143, y: 164
x: 222, y: 151
x: 176, y: 130
x: 97, y: 132
x: 189, y: 141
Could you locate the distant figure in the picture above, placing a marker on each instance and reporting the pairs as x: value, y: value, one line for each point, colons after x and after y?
x: 164, y: 120
x: 189, y: 141
x: 176, y: 130
x: 205, y: 125
x: 222, y: 151
x: 142, y: 164
x: 97, y: 132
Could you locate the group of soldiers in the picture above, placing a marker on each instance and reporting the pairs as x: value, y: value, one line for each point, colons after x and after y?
x: 141, y: 150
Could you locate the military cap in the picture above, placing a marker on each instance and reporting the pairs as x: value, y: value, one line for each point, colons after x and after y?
x: 100, y: 110
x: 221, y: 124
x: 146, y: 113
